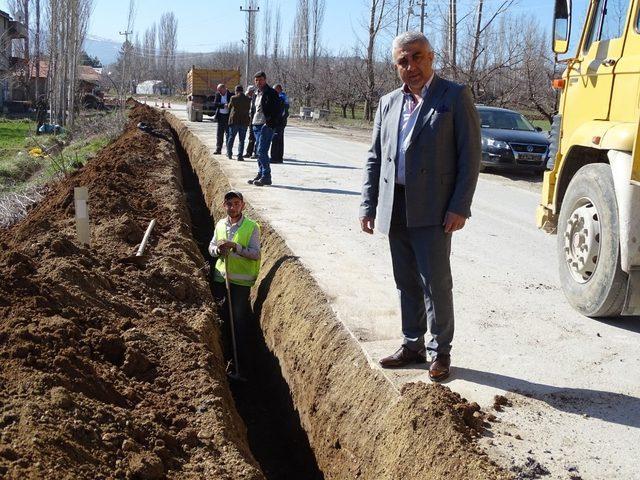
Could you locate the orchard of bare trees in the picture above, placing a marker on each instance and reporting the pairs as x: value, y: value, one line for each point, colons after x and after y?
x: 496, y: 47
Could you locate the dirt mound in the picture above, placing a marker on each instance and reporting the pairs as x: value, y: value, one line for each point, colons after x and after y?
x: 111, y: 369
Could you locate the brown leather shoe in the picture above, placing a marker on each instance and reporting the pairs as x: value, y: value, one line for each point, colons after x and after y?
x: 439, y: 369
x: 403, y: 357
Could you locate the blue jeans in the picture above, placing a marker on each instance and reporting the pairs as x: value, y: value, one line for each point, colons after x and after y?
x: 241, y: 131
x: 263, y: 135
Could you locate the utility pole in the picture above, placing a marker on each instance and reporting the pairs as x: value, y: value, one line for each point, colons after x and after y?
x: 250, y: 11
x: 126, y: 34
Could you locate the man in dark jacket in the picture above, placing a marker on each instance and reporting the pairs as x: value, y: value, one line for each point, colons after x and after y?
x: 41, y: 112
x: 252, y: 111
x: 221, y: 103
x: 239, y: 120
x: 277, y: 142
x: 268, y: 115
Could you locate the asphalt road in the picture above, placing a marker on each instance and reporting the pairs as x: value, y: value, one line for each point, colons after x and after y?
x: 574, y: 382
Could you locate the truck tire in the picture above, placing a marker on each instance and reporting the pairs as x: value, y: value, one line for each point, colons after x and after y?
x: 589, y: 244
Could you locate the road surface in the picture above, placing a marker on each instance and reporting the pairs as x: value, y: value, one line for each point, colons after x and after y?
x: 574, y: 382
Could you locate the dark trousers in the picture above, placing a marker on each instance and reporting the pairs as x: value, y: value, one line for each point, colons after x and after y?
x: 422, y: 271
x: 277, y: 145
x: 242, y: 318
x: 223, y: 125
x: 252, y: 142
x: 234, y: 130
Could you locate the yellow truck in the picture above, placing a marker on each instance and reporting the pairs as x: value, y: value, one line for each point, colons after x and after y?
x: 591, y: 197
x: 201, y: 90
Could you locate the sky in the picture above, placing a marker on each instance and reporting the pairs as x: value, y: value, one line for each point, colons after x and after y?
x: 204, y: 25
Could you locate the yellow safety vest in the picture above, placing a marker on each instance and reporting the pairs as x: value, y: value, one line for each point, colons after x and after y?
x: 241, y: 270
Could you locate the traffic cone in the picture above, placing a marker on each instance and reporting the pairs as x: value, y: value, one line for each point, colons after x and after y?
x: 162, y: 104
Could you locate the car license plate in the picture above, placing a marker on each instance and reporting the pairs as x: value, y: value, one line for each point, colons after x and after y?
x: 529, y: 158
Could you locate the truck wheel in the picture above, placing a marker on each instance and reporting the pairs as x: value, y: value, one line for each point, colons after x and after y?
x: 589, y: 244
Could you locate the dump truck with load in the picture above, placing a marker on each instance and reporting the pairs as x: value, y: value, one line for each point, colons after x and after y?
x: 591, y: 197
x: 201, y: 90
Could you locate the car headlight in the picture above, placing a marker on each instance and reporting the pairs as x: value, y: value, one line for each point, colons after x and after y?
x: 493, y: 143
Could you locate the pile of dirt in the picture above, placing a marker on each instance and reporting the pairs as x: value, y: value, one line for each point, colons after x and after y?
x: 113, y: 369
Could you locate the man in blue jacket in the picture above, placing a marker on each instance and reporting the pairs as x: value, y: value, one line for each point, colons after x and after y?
x: 277, y: 142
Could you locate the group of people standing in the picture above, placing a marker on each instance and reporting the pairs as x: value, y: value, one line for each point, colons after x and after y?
x: 263, y: 110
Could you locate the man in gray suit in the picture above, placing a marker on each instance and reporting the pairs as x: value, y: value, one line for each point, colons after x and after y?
x: 419, y: 180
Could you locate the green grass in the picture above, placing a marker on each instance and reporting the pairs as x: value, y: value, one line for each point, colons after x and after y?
x: 15, y: 163
x: 14, y: 132
x: 17, y: 166
x: 87, y: 149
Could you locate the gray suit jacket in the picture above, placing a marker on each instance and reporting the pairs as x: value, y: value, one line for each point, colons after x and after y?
x: 442, y: 161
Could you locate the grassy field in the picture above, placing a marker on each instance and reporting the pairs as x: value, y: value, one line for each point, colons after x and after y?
x: 18, y: 168
x: 15, y: 163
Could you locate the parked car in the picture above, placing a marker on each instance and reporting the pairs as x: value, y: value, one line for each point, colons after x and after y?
x: 510, y: 141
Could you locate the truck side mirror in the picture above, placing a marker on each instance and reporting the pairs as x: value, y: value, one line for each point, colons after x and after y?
x: 561, y: 26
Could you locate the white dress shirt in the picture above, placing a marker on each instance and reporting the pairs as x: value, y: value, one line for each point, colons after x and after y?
x: 410, y: 111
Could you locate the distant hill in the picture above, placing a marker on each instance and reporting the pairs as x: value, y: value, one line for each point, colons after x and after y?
x: 105, y: 50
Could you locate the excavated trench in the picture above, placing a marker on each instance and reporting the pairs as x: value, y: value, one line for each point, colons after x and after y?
x: 263, y: 399
x: 314, y: 406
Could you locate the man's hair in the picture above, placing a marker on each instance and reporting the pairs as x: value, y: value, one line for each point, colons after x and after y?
x: 260, y: 74
x: 239, y: 88
x: 409, y: 38
x: 220, y: 85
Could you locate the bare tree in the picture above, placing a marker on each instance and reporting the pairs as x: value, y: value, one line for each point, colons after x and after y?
x: 266, y: 29
x: 149, y: 52
x: 277, y: 28
x: 168, y: 44
x: 37, y: 49
x: 67, y: 25
x: 378, y: 12
x: 316, y: 21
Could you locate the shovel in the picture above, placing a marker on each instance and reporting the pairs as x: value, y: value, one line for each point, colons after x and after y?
x: 236, y: 367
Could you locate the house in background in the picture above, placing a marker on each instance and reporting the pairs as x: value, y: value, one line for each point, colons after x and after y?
x: 89, y: 81
x: 152, y: 87
x: 11, y: 32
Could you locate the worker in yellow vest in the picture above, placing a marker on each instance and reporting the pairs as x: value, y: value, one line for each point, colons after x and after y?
x: 236, y: 248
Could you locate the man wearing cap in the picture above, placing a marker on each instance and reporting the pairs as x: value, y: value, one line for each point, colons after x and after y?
x: 221, y: 102
x: 238, y: 121
x: 236, y: 248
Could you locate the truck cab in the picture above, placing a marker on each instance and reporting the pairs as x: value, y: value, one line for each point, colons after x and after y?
x: 591, y: 197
